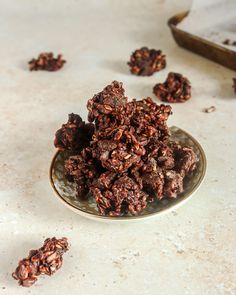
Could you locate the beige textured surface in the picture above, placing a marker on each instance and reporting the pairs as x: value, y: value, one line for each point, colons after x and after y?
x: 191, y: 251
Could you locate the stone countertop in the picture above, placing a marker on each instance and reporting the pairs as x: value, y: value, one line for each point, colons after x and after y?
x: 189, y: 251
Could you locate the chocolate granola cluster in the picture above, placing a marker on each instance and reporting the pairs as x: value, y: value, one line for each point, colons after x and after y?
x: 47, y: 62
x: 75, y: 134
x: 127, y: 158
x: 176, y: 88
x: 46, y: 260
x: 145, y: 61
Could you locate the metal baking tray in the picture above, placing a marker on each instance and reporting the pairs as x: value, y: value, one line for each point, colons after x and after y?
x: 207, y: 49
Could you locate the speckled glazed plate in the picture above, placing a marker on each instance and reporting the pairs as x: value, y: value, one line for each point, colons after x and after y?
x: 66, y: 191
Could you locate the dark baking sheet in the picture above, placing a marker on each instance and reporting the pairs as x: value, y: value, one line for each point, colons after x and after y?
x: 205, y: 48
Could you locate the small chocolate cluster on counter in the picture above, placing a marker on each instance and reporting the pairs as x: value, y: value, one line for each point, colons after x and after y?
x: 47, y: 62
x: 145, y: 61
x: 127, y: 158
x: 176, y: 88
x: 46, y: 260
x: 234, y: 84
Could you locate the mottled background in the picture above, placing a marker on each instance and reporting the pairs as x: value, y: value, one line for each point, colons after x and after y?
x: 190, y: 251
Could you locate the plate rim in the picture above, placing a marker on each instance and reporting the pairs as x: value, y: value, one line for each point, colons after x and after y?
x: 132, y: 218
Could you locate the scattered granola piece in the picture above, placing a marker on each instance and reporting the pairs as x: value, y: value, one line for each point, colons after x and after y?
x: 46, y: 62
x: 145, y: 61
x: 46, y: 260
x: 176, y: 88
x: 210, y: 109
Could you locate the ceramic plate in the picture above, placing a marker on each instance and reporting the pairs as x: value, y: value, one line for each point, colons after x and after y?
x: 66, y: 191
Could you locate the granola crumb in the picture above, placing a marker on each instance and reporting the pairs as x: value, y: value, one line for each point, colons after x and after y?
x: 210, y: 109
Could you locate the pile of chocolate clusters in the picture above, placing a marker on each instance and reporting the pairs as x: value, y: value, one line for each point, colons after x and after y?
x: 46, y: 260
x: 124, y: 157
